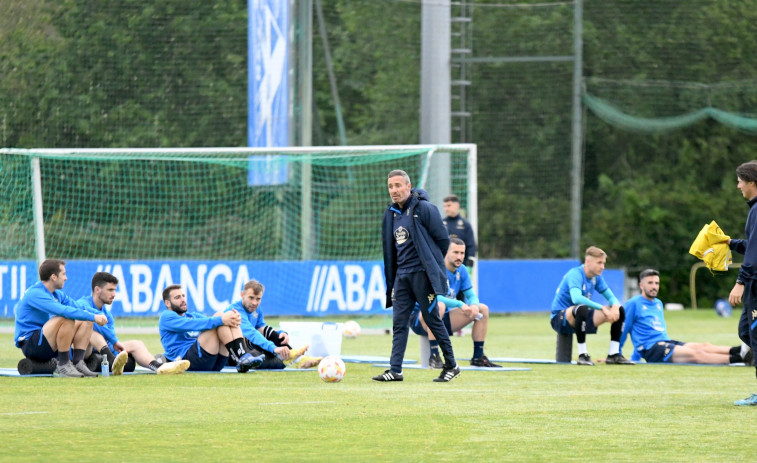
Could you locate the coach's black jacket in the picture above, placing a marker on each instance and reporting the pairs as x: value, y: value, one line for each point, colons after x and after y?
x: 430, y: 238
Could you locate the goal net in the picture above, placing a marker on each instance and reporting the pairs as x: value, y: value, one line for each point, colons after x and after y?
x: 303, y: 221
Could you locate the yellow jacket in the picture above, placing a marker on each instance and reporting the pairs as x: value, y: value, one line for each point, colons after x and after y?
x: 711, y: 246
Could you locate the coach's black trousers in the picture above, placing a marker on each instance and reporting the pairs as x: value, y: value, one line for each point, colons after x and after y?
x: 410, y: 288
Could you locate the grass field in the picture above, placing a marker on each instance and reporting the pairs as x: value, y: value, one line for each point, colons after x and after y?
x: 552, y: 413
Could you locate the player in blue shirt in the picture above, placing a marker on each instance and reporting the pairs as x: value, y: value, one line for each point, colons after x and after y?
x: 457, y: 314
x: 263, y: 339
x: 206, y: 342
x: 106, y: 343
x: 645, y: 322
x: 49, y: 323
x: 573, y: 311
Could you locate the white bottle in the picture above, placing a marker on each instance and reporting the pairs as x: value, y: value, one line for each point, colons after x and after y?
x: 105, y: 367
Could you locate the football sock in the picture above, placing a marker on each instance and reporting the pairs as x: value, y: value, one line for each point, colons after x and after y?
x: 434, y: 344
x: 78, y: 355
x: 614, y: 348
x: 616, y: 329
x: 154, y: 365
x: 744, y: 349
x: 236, y: 349
x: 62, y: 357
x: 478, y: 349
x: 734, y: 355
x: 580, y: 313
x: 108, y: 353
x: 582, y: 348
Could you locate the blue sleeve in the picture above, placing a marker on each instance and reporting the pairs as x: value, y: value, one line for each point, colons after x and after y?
x: 577, y: 297
x: 108, y: 331
x: 181, y: 324
x: 67, y: 308
x: 261, y: 320
x: 470, y: 297
x: 738, y: 246
x: 628, y: 323
x: 450, y: 303
x: 255, y: 336
x: 610, y: 297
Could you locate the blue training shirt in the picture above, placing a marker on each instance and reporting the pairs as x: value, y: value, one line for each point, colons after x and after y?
x: 108, y: 331
x: 645, y: 322
x: 251, y: 321
x: 38, y: 305
x: 575, y: 288
x: 179, y: 332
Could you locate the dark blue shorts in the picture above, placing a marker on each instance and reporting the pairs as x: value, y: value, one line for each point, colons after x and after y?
x: 201, y: 360
x: 37, y: 348
x: 661, y: 352
x: 561, y: 325
x: 417, y: 327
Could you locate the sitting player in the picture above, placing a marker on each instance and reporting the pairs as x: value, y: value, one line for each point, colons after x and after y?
x: 573, y: 311
x: 207, y: 342
x: 645, y: 322
x: 263, y: 339
x: 106, y: 343
x: 455, y: 313
x: 49, y: 324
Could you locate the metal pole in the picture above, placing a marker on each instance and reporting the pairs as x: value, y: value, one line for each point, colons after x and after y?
x: 39, y: 224
x: 473, y: 204
x: 330, y: 69
x: 576, y: 139
x: 305, y: 92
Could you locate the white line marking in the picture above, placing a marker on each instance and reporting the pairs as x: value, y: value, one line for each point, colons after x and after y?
x: 21, y: 413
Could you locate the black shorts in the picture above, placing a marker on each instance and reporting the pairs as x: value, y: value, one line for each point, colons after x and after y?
x: 661, y: 352
x: 201, y: 360
x: 37, y: 348
x: 561, y: 326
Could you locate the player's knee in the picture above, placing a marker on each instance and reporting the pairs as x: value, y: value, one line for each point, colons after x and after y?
x: 484, y: 309
x: 622, y: 313
x: 580, y: 313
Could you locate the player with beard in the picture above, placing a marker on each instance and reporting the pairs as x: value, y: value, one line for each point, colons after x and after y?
x: 105, y: 342
x: 457, y: 314
x: 645, y: 322
x: 263, y: 339
x: 206, y: 342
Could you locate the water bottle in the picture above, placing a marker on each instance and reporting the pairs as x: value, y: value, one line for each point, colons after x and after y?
x: 105, y: 367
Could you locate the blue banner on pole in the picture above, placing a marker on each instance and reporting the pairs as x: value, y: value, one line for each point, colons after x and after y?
x: 268, y: 71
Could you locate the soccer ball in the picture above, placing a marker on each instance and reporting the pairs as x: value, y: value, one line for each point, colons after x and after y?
x: 331, y: 369
x: 351, y: 329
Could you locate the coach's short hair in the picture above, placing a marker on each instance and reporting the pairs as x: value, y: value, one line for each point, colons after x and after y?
x: 50, y: 267
x: 457, y: 241
x: 399, y: 173
x: 167, y: 291
x: 747, y: 171
x: 650, y: 272
x: 101, y: 279
x: 451, y: 199
x: 255, y: 286
x: 595, y: 252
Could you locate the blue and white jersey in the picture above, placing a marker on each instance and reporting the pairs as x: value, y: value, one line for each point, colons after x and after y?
x: 645, y: 322
x: 576, y: 279
x: 38, y: 305
x: 179, y: 332
x: 251, y: 321
x: 108, y: 331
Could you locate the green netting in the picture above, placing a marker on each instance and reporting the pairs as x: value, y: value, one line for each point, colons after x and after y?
x: 194, y: 204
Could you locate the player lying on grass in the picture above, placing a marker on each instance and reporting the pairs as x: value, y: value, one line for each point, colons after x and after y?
x: 207, y: 342
x: 645, y: 322
x: 573, y: 311
x: 105, y: 342
x: 457, y: 314
x: 262, y: 339
x: 49, y: 323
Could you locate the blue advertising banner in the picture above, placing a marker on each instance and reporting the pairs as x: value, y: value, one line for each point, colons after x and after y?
x: 268, y: 71
x: 311, y: 288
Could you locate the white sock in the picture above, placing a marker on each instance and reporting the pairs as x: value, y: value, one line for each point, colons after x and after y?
x: 744, y: 349
x: 614, y: 347
x: 582, y: 348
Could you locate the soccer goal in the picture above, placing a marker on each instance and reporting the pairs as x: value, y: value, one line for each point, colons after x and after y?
x: 304, y: 221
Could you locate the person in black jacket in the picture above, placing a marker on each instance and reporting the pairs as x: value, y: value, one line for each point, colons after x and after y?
x: 458, y: 227
x: 415, y: 241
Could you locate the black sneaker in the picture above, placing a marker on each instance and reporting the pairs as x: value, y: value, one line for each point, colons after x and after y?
x: 584, y: 359
x: 389, y: 375
x: 483, y: 362
x: 617, y: 359
x: 448, y: 374
x: 435, y: 362
x: 749, y: 358
x: 94, y: 362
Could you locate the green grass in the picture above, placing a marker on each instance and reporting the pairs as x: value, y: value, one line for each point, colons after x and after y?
x: 552, y: 413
